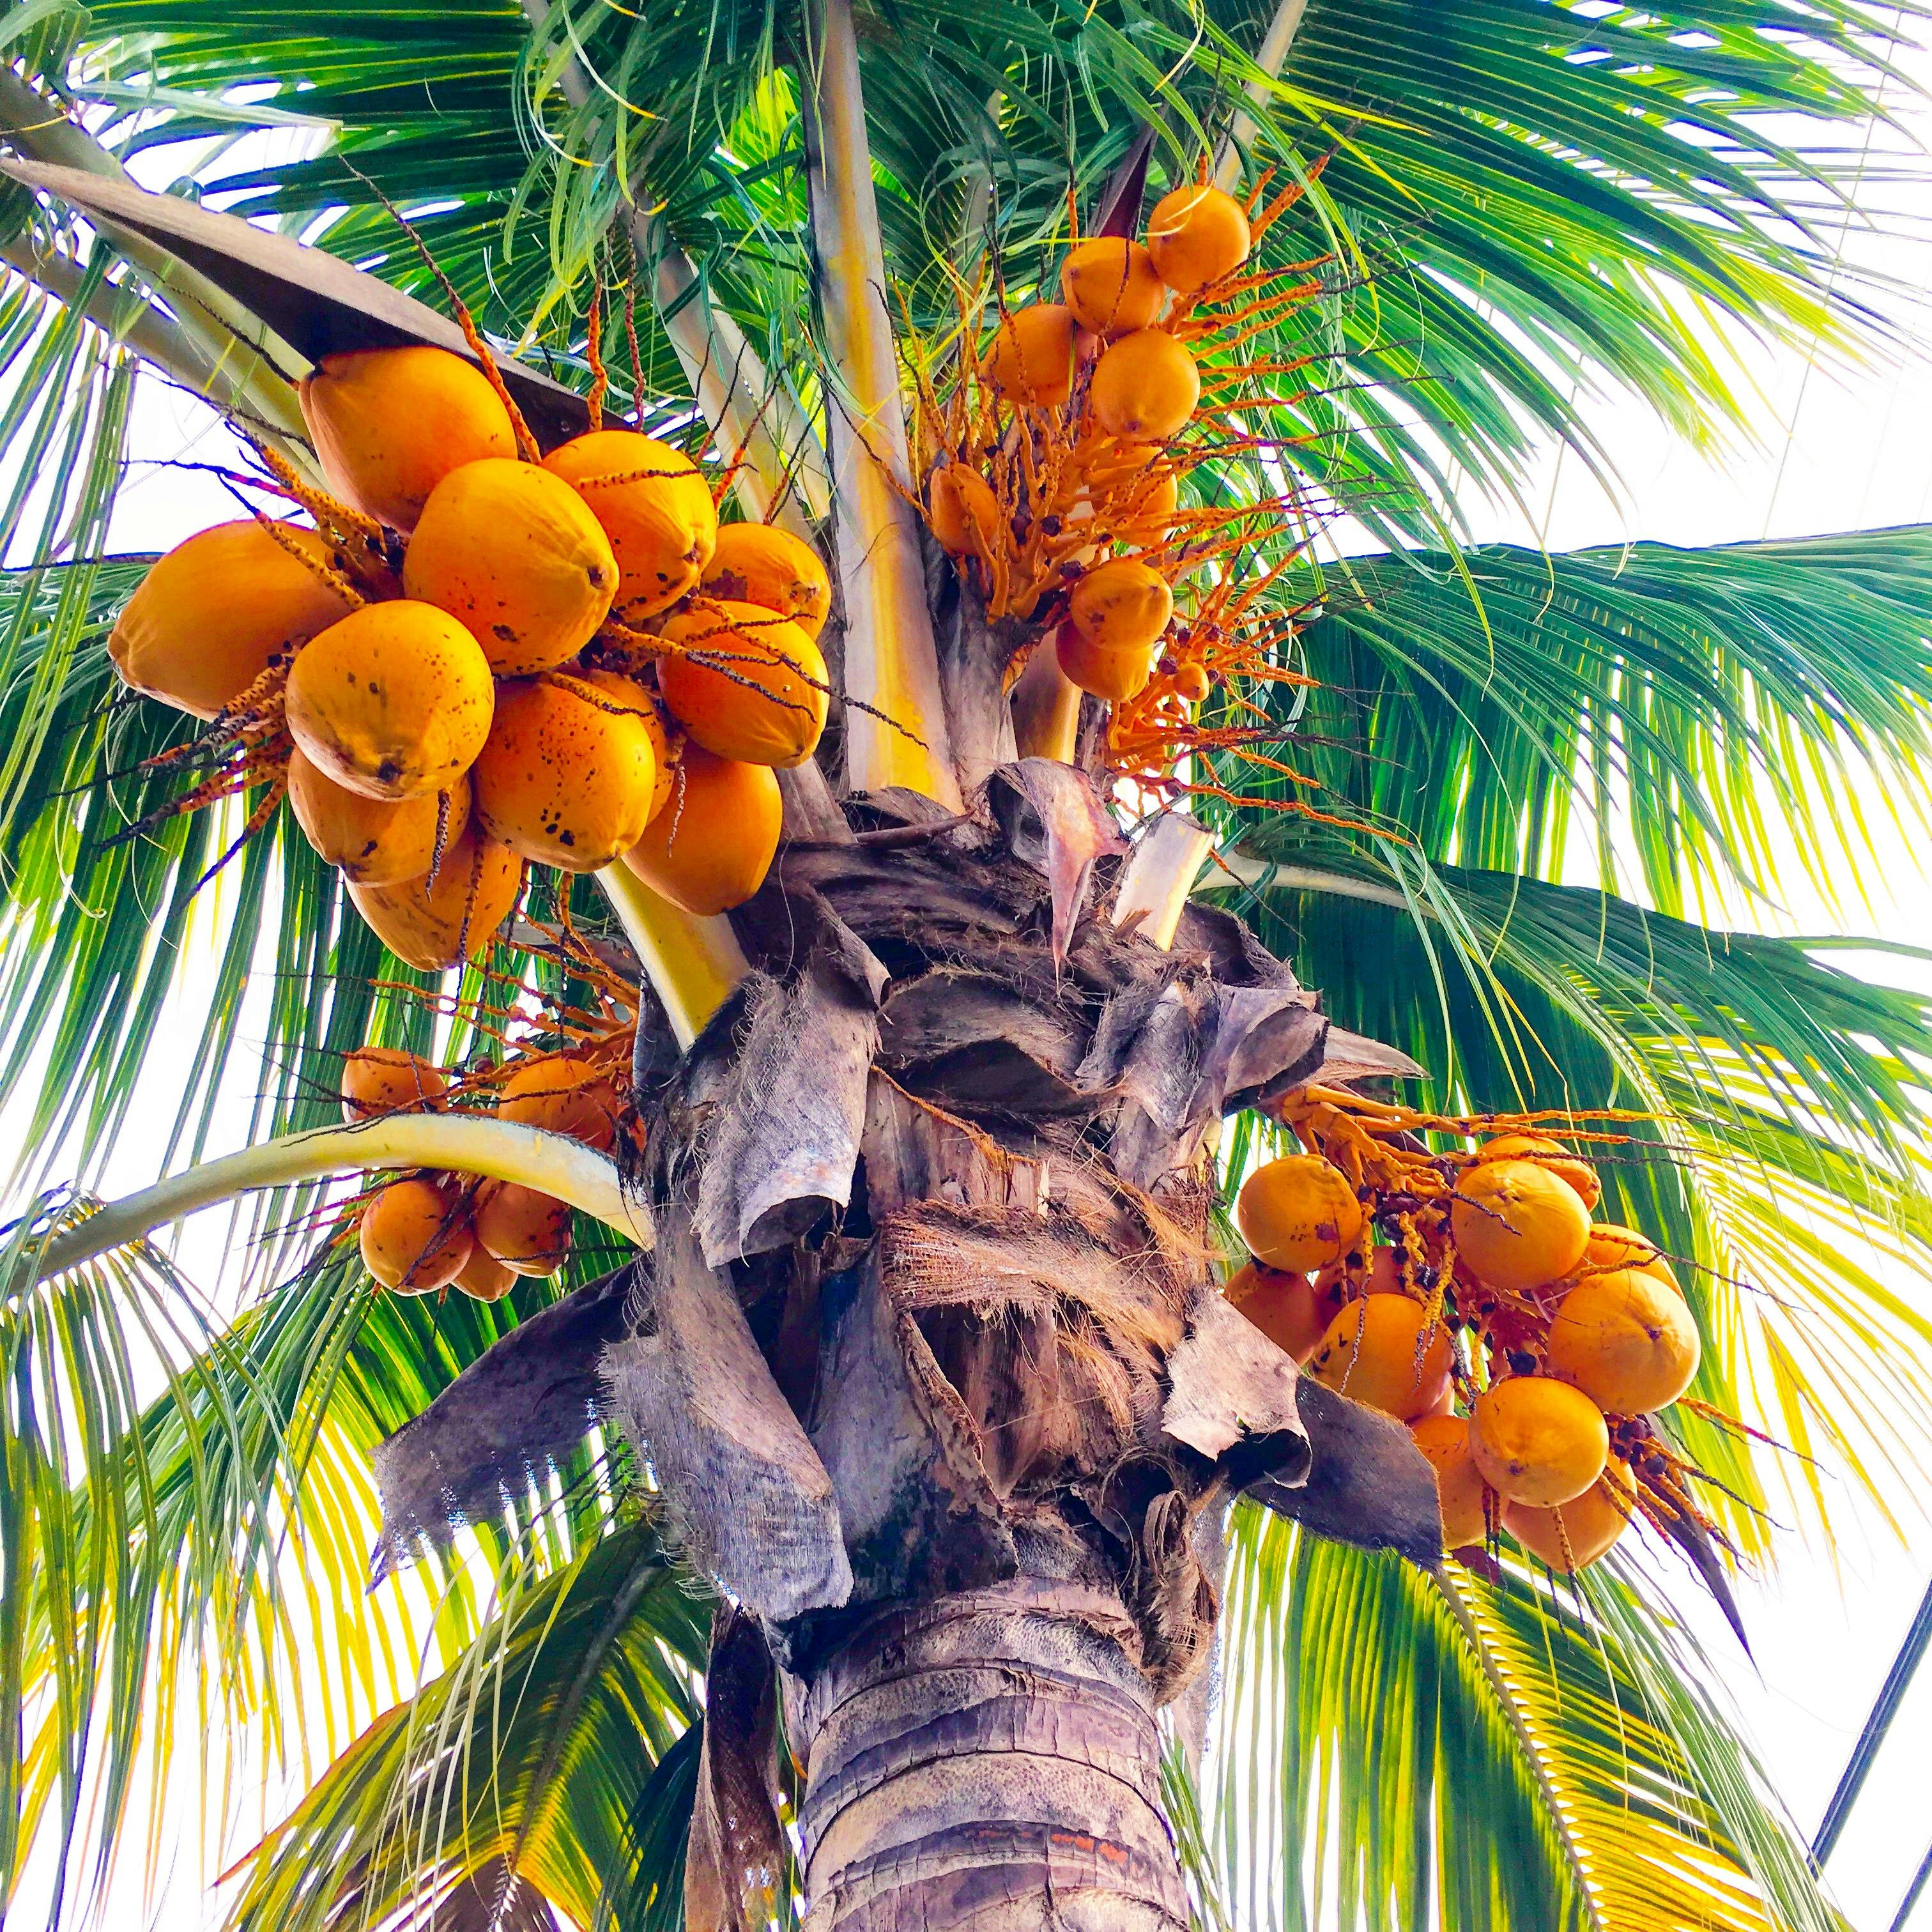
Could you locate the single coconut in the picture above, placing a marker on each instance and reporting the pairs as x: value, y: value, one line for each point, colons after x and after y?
x: 1444, y: 1440
x: 1380, y: 1351
x: 744, y: 683
x: 1114, y: 675
x: 1196, y: 235
x: 483, y: 1277
x: 1380, y: 1273
x: 386, y: 1080
x: 375, y: 842
x: 1612, y: 1247
x: 761, y: 564
x: 1548, y: 1154
x: 1626, y: 1340
x: 437, y: 922
x: 1031, y: 360
x: 1516, y: 1225
x: 963, y: 513
x: 1538, y: 1440
x: 1291, y: 1311
x: 655, y: 509
x: 527, y: 1231
x: 1121, y: 605
x: 1298, y: 1213
x: 415, y: 1236
x: 710, y: 845
x: 1145, y: 386
x: 563, y: 1095
x: 1111, y: 287
x: 1574, y: 1535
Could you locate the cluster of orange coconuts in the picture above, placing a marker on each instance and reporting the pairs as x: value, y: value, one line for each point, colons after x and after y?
x: 430, y: 1231
x: 1108, y: 372
x: 493, y: 659
x: 1577, y: 1333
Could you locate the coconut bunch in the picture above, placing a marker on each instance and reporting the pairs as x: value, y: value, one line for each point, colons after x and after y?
x: 1471, y: 1295
x: 482, y: 657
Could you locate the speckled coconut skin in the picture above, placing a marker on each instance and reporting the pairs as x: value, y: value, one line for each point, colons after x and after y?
x: 653, y: 505
x: 777, y: 723
x: 375, y: 842
x: 437, y: 924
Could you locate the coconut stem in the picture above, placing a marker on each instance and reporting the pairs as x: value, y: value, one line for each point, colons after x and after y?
x: 1270, y: 57
x: 1166, y: 861
x: 693, y: 962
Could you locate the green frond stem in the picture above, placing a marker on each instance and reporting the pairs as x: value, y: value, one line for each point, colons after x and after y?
x: 892, y: 664
x: 692, y: 962
x: 1271, y: 56
x: 152, y: 335
x: 500, y: 1150
x: 1244, y: 869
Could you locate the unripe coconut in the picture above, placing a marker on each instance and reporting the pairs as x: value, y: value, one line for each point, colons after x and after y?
x: 759, y: 694
x: 1111, y: 287
x: 1374, y: 1351
x: 1537, y: 1440
x: 1195, y: 235
x: 569, y: 771
x: 761, y: 564
x: 655, y: 509
x: 1121, y: 605
x: 211, y: 616
x: 1612, y: 1247
x: 1516, y: 1225
x: 1626, y: 1340
x: 1550, y: 1154
x: 1444, y: 1440
x: 1190, y: 682
x: 415, y: 1236
x: 1031, y: 360
x: 386, y: 1080
x: 437, y: 924
x: 708, y: 848
x: 377, y: 842
x: 965, y: 513
x: 1298, y: 1213
x: 1291, y: 1311
x: 527, y: 1231
x: 1114, y: 675
x: 563, y: 1096
x: 483, y: 1277
x: 1572, y: 1537
x: 389, y: 424
x: 515, y: 554
x: 1145, y: 386
x: 393, y: 702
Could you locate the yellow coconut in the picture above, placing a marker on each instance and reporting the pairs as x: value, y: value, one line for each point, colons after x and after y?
x: 1574, y: 1536
x: 1380, y: 1351
x: 1626, y: 1340
x: 435, y: 923
x: 564, y: 1096
x: 1444, y: 1440
x: 386, y: 1080
x: 1380, y: 1272
x: 1291, y: 1311
x: 222, y: 605
x: 761, y: 564
x: 1298, y: 1213
x: 375, y: 842
x: 1538, y: 1440
x: 1121, y: 605
x: 963, y: 511
x: 1516, y: 1225
x: 483, y: 1277
x: 515, y: 555
x: 569, y: 772
x: 1110, y: 286
x: 655, y: 509
x: 1546, y: 1152
x: 1612, y: 1247
x: 388, y: 425
x: 708, y: 848
x: 414, y: 1235
x: 1031, y: 360
x: 528, y: 1231
x: 1196, y: 235
x: 1145, y: 387
x: 393, y: 702
x: 755, y: 691
x: 1114, y: 675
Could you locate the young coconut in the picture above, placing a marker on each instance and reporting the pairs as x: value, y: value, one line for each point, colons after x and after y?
x: 393, y: 702
x: 1197, y: 235
x: 1444, y: 1440
x: 1573, y: 1536
x: 1537, y: 1440
x: 1145, y: 387
x: 414, y: 1236
x: 375, y: 842
x: 962, y: 510
x: 1612, y: 1247
x: 1298, y: 1213
x: 1121, y: 605
x: 563, y: 1095
x: 386, y: 1080
x: 1375, y: 1351
x: 483, y: 1277
x: 437, y: 922
x: 1626, y: 1340
x: 1111, y: 287
x: 710, y: 844
x: 1380, y: 1273
x: 389, y: 424
x: 1548, y: 1154
x: 1031, y: 360
x: 1291, y: 1311
x: 211, y: 616
x: 528, y: 1231
x: 755, y: 689
x: 655, y: 508
x: 569, y: 771
x: 761, y: 564
x: 1114, y: 675
x: 515, y: 555
x: 1516, y: 1225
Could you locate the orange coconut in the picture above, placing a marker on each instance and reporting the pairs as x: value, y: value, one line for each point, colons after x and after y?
x: 1537, y: 1440
x: 963, y: 510
x: 437, y: 922
x: 1626, y: 1340
x: 389, y: 424
x: 393, y: 702
x: 1612, y: 1247
x: 211, y: 616
x: 710, y: 847
x: 386, y: 1080
x: 1298, y: 1213
x: 1575, y: 1535
x: 515, y: 555
x: 1546, y: 1152
x: 1114, y: 675
x: 1444, y: 1440
x: 761, y: 564
x: 377, y: 842
x: 1110, y: 286
x: 1197, y: 235
x: 563, y: 1095
x: 755, y: 691
x: 1145, y: 386
x: 1380, y: 1273
x: 483, y: 1277
x: 1031, y: 360
x: 1380, y: 1350
x: 1516, y: 1225
x: 1121, y: 605
x: 1291, y: 1311
x: 655, y: 509
x: 415, y: 1236
x: 527, y: 1231
x: 569, y: 771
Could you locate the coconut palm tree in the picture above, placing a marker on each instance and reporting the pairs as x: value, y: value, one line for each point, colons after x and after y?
x: 861, y: 1519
